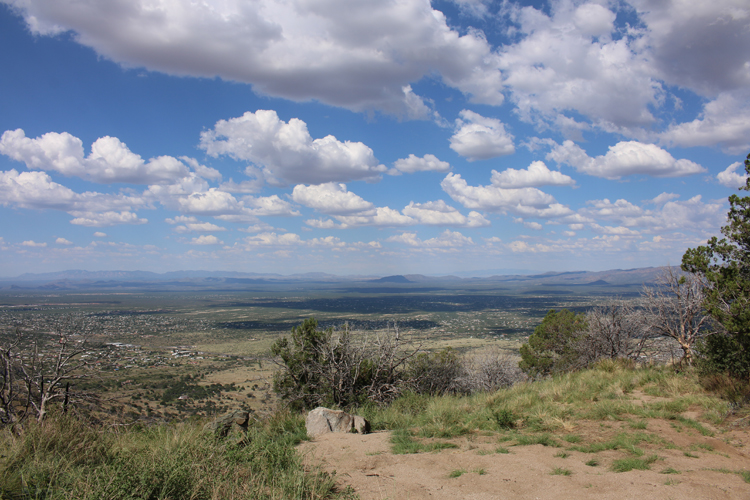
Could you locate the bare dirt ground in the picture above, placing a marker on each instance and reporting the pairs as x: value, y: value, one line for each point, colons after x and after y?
x: 701, y: 467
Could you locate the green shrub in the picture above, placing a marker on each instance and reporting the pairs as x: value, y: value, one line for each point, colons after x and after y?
x: 550, y: 348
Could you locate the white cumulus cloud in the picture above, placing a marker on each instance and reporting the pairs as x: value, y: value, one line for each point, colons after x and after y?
x: 527, y: 202
x: 110, y: 159
x: 287, y: 153
x: 428, y: 163
x: 623, y: 159
x: 330, y: 198
x: 360, y: 56
x: 537, y: 174
x: 480, y: 138
x: 731, y: 178
x: 206, y: 239
x: 439, y: 213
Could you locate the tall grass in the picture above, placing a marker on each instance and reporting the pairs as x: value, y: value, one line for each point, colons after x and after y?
x: 65, y: 459
x: 554, y: 405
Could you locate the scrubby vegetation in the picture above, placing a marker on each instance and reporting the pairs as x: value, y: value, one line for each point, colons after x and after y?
x: 64, y: 458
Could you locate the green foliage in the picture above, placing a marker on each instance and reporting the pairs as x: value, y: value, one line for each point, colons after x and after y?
x: 551, y: 347
x: 504, y: 418
x: 726, y: 265
x: 300, y: 383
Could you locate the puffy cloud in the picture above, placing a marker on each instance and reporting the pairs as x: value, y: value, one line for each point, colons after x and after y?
x: 693, y: 215
x: 100, y: 234
x: 663, y: 198
x: 63, y: 241
x: 33, y: 244
x: 568, y: 63
x: 614, y: 230
x: 447, y: 240
x: 330, y: 198
x: 439, y: 213
x: 105, y: 219
x: 274, y: 240
x: 724, y: 121
x: 519, y: 246
x: 269, y: 205
x: 427, y: 163
x: 625, y: 158
x: 286, y: 151
x: 198, y: 227
x: 328, y: 241
x: 202, y: 170
x: 356, y: 55
x: 537, y: 174
x: 730, y: 178
x: 480, y: 138
x: 527, y: 202
x: 380, y: 216
x: 531, y: 225
x: 110, y: 159
x: 37, y: 191
x: 206, y: 239
x: 703, y: 46
x: 321, y: 224
x: 211, y: 202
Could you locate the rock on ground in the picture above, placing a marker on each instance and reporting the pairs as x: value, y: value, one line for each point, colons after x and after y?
x: 322, y: 421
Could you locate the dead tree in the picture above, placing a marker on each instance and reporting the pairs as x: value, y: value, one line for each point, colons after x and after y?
x: 616, y: 329
x: 11, y: 386
x: 674, y: 309
x: 37, y: 369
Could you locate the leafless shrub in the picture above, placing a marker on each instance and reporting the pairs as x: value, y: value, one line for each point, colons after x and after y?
x: 674, y: 309
x: 434, y: 372
x: 616, y: 329
x: 36, y: 370
x: 340, y: 367
x: 489, y: 370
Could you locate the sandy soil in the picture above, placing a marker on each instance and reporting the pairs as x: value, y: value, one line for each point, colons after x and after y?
x: 366, y: 463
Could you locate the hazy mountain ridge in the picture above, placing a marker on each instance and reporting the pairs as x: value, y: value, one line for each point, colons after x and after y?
x: 77, y: 279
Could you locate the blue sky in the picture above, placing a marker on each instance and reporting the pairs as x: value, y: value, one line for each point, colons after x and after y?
x: 367, y: 137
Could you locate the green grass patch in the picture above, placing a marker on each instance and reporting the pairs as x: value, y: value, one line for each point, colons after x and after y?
x: 457, y: 473
x: 640, y: 425
x: 562, y: 454
x: 695, y: 425
x: 502, y: 450
x: 403, y: 443
x: 572, y: 438
x: 670, y: 470
x: 559, y: 471
x: 623, y: 441
x: 633, y: 463
x: 593, y: 463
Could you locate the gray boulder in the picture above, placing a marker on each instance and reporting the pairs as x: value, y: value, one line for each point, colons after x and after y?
x: 322, y: 421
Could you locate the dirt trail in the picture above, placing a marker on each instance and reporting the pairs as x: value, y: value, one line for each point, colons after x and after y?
x: 526, y: 472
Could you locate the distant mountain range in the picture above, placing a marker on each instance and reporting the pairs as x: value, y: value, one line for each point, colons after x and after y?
x: 78, y: 279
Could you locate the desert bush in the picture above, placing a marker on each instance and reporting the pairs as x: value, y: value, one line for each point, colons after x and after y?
x: 552, y: 346
x: 488, y: 371
x: 339, y: 367
x: 435, y: 373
